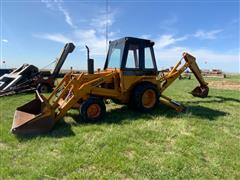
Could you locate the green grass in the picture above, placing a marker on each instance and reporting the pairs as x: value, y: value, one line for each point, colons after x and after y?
x: 231, y: 78
x: 202, y: 143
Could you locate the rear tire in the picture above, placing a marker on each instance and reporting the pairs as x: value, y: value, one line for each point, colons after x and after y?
x: 145, y: 97
x: 92, y: 110
x: 43, y: 88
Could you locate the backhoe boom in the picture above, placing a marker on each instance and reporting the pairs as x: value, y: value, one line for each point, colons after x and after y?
x: 169, y: 78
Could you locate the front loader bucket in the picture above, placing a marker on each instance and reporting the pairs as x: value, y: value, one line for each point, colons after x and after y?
x: 35, y: 117
x: 200, y: 91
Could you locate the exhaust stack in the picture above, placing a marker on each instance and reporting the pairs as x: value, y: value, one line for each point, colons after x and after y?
x: 90, y: 62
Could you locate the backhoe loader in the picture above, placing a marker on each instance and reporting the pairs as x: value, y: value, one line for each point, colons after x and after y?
x: 130, y: 76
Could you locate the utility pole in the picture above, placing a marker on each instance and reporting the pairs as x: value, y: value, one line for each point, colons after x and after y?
x: 1, y: 38
x: 1, y: 59
x: 106, y: 26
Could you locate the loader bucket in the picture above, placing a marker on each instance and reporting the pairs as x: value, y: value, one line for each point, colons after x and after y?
x: 200, y: 91
x: 35, y: 117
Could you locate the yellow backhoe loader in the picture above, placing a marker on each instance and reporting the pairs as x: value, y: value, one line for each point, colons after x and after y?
x: 130, y: 76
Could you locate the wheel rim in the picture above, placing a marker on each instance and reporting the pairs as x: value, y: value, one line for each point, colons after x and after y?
x: 149, y: 98
x: 93, y: 111
x: 43, y: 89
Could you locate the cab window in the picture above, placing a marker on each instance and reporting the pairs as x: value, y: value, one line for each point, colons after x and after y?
x: 115, y: 56
x: 148, y: 59
x: 133, y: 57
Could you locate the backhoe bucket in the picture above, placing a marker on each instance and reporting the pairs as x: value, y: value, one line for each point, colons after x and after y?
x: 35, y: 117
x: 200, y: 91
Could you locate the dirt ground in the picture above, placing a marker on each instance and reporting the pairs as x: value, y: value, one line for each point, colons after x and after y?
x: 224, y: 85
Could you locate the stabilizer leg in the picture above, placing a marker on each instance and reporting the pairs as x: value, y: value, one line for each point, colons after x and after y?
x: 171, y: 103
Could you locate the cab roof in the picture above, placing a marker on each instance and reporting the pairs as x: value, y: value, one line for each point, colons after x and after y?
x: 133, y: 40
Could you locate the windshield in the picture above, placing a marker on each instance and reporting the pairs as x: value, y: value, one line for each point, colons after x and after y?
x: 115, y: 56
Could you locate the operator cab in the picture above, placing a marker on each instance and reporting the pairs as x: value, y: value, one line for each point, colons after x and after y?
x: 133, y: 56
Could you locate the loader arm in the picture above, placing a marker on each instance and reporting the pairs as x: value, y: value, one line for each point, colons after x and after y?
x: 75, y: 90
x: 72, y: 90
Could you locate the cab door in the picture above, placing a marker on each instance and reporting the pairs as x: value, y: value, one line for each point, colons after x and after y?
x: 137, y: 61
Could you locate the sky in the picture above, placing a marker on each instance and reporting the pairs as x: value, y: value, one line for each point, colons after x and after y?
x: 34, y: 32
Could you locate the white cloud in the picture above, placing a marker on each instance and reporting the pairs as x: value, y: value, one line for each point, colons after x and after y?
x: 166, y: 40
x: 101, y: 21
x: 68, y: 19
x: 145, y: 36
x: 5, y: 40
x: 166, y: 49
x: 56, y: 5
x: 171, y: 20
x: 94, y: 36
x: 234, y: 21
x: 206, y: 59
x: 48, y: 3
x: 168, y: 24
x: 207, y: 34
x: 219, y: 60
x: 97, y: 43
x: 55, y: 37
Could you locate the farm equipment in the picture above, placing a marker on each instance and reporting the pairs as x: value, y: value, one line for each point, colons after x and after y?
x: 214, y: 73
x: 185, y: 75
x: 28, y: 77
x: 5, y: 71
x: 130, y: 76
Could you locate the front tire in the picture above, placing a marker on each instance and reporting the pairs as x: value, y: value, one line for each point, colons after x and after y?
x: 92, y: 110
